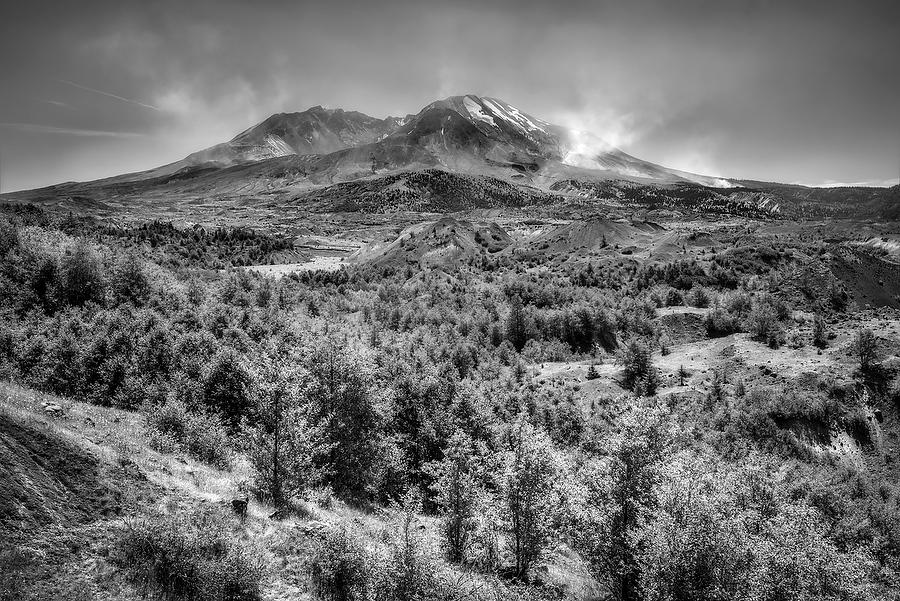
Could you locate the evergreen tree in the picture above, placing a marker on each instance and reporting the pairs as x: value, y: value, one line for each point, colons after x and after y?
x: 618, y: 495
x: 281, y: 445
x: 342, y: 403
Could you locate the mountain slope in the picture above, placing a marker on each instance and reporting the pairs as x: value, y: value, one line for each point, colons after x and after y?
x: 488, y: 136
x: 497, y: 155
x: 314, y: 131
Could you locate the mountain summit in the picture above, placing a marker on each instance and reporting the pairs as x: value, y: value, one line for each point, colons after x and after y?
x: 477, y: 136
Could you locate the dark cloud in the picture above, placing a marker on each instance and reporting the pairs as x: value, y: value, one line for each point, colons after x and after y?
x: 787, y: 91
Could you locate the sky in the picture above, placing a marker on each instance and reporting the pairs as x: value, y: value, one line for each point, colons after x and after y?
x: 788, y: 91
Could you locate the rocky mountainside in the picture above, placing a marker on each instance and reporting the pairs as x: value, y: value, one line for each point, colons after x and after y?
x: 458, y: 153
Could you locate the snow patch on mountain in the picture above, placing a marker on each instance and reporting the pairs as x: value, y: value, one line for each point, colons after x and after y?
x: 278, y: 146
x: 477, y: 112
x: 512, y: 115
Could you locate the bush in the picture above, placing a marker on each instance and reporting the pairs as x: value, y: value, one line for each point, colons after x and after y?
x: 764, y: 325
x: 201, y: 435
x: 639, y: 374
x: 720, y: 322
x: 226, y: 386
x: 698, y: 297
x: 819, y: 337
x: 340, y: 568
x: 129, y: 281
x: 865, y: 348
x: 408, y: 569
x: 732, y: 535
x: 189, y: 557
x: 81, y: 275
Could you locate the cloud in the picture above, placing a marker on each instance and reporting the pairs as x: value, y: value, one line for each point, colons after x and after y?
x: 110, y: 95
x: 69, y: 131
x: 872, y: 183
x: 56, y: 103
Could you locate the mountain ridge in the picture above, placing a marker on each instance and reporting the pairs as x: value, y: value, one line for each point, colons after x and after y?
x: 479, y: 140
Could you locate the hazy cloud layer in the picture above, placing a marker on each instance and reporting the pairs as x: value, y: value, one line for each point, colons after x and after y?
x: 784, y: 91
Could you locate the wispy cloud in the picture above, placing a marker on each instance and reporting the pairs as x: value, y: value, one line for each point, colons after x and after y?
x: 56, y: 103
x: 69, y: 131
x: 109, y: 95
x: 873, y: 183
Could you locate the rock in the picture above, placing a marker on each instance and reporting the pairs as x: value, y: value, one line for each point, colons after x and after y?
x: 239, y: 506
x: 313, y: 529
x: 879, y: 415
x: 52, y: 409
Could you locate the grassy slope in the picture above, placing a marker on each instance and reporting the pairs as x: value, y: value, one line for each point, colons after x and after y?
x: 111, y: 475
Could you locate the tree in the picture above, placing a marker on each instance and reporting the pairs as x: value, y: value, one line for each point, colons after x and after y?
x: 865, y: 348
x: 129, y: 281
x: 732, y: 534
x: 819, y: 338
x: 80, y: 275
x: 764, y: 325
x: 639, y: 374
x: 225, y: 386
x: 529, y: 490
x: 456, y: 494
x: 517, y: 324
x: 619, y: 494
x: 281, y: 445
x: 342, y: 403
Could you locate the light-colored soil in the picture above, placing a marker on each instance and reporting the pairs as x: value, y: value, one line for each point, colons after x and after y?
x: 320, y: 263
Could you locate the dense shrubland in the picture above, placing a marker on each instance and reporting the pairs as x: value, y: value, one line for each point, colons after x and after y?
x: 390, y: 387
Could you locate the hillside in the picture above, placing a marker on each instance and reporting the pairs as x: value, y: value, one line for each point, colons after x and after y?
x: 447, y: 242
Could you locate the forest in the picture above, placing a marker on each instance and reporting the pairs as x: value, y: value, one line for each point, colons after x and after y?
x: 425, y: 399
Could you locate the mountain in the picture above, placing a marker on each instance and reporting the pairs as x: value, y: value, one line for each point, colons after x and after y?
x: 488, y: 136
x: 457, y: 153
x: 465, y: 134
x: 314, y: 131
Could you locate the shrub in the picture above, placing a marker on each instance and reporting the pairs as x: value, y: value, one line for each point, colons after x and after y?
x: 732, y: 535
x: 129, y: 281
x: 225, y: 386
x: 764, y: 325
x: 865, y: 348
x: 457, y: 492
x: 201, y: 435
x: 340, y: 569
x: 206, y: 439
x: 673, y: 298
x: 720, y: 322
x: 189, y: 556
x: 529, y: 489
x: 819, y: 336
x: 81, y: 275
x: 408, y: 569
x: 698, y: 297
x: 639, y: 374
